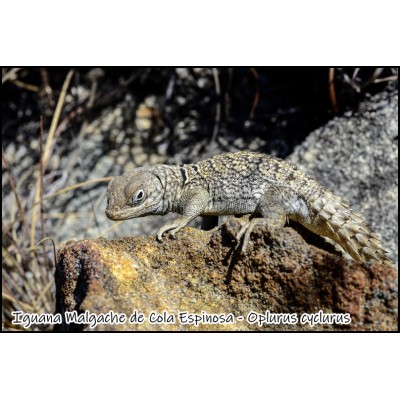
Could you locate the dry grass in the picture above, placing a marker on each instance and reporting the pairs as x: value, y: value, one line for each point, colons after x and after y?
x: 27, y: 263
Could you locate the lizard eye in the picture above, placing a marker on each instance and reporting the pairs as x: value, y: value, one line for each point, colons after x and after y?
x: 138, y: 197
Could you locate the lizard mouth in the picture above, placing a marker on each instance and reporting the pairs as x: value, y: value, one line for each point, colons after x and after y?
x: 121, y: 215
x: 117, y: 215
x: 110, y: 215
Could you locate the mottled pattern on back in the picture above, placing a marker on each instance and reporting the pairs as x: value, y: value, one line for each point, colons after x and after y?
x: 237, y: 180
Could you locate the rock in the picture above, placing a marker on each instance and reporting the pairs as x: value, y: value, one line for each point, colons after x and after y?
x: 202, y: 273
x: 356, y: 156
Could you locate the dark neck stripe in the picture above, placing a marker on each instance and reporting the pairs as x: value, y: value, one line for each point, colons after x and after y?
x: 183, y: 172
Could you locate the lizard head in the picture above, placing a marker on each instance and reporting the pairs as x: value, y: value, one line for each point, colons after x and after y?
x: 136, y: 193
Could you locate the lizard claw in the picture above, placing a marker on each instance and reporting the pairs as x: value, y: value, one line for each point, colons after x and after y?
x: 246, y: 230
x: 161, y: 232
x: 165, y: 229
x: 244, y: 225
x: 243, y: 231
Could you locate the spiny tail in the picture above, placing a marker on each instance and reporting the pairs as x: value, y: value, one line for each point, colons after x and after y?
x: 335, y: 219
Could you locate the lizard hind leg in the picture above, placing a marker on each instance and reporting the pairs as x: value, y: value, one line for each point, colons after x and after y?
x: 245, y: 230
x: 274, y: 210
x: 277, y: 222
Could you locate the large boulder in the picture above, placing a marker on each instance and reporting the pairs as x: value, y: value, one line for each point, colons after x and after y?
x: 277, y: 282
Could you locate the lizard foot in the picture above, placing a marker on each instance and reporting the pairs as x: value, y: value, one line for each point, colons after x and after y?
x: 248, y: 227
x: 172, y: 227
x: 165, y: 229
x: 161, y: 232
x: 246, y: 230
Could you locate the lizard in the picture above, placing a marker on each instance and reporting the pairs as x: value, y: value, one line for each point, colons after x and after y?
x: 268, y: 189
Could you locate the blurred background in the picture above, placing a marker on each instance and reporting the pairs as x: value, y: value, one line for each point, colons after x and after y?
x: 66, y: 131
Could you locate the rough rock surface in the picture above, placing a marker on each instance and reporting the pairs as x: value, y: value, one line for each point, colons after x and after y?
x: 356, y: 156
x: 201, y: 271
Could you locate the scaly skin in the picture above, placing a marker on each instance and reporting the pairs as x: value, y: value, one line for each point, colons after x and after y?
x: 269, y: 189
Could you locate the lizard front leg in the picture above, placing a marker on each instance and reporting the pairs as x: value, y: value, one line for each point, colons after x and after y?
x: 192, y: 203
